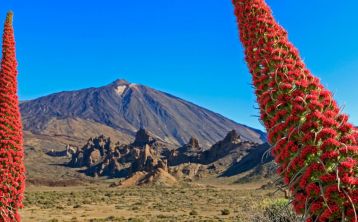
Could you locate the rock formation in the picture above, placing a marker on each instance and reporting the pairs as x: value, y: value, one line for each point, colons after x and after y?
x: 143, y: 137
x: 147, y: 160
x: 149, y: 168
x: 231, y: 146
x: 70, y: 150
x: 189, y: 153
x: 100, y: 157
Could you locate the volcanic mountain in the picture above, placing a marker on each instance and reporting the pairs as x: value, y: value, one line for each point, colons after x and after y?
x: 120, y: 109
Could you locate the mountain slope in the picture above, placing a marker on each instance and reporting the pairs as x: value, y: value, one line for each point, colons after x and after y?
x: 123, y: 107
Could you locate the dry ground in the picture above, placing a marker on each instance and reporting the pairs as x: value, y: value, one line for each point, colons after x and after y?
x: 184, y: 203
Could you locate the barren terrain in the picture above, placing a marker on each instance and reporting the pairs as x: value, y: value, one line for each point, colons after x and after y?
x: 187, y: 202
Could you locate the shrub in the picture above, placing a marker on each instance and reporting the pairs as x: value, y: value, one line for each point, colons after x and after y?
x: 77, y: 206
x: 278, y: 211
x: 193, y: 213
x: 225, y: 212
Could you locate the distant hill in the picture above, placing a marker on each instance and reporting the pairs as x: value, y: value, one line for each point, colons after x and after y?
x: 118, y: 110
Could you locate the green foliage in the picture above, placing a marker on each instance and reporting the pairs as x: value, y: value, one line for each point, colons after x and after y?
x: 277, y: 211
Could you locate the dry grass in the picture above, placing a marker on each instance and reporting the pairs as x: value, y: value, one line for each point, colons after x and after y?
x: 185, y: 203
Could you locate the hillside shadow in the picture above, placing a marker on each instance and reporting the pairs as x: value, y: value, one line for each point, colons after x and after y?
x: 254, y: 158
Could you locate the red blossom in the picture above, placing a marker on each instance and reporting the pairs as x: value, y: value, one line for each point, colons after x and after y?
x: 12, y: 169
x: 313, y: 142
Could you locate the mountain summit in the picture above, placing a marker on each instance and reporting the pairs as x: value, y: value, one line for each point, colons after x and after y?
x: 121, y: 108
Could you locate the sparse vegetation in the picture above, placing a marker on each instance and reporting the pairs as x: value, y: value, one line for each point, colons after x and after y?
x: 225, y: 212
x: 149, y: 203
x: 278, y: 210
x: 193, y: 213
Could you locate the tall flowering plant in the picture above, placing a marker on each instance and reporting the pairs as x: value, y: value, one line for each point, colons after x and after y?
x: 12, y: 170
x: 313, y: 143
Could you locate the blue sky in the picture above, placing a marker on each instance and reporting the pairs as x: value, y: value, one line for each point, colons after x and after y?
x: 189, y: 48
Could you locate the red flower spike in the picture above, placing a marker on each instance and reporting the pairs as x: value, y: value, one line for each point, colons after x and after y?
x: 295, y: 106
x: 12, y: 169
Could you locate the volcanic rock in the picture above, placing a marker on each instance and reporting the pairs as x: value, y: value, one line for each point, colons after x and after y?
x: 119, y: 109
x: 141, y: 162
x: 189, y: 153
x: 143, y: 138
x: 231, y: 143
x: 138, y: 164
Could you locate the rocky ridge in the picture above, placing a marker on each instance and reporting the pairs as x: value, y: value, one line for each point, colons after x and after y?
x: 147, y: 160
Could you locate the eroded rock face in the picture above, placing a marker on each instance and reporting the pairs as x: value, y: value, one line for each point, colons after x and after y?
x: 101, y: 157
x: 193, y: 153
x: 189, y: 153
x: 223, y: 148
x: 147, y: 160
x: 189, y: 171
x: 142, y: 162
x: 232, y: 137
x: 193, y: 143
x: 143, y: 137
x: 154, y: 171
x: 68, y: 152
x: 90, y: 154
